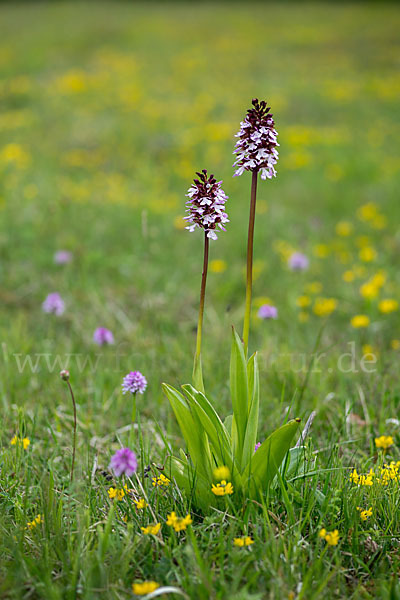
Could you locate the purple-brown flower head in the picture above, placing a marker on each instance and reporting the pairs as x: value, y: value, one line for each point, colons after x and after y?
x: 206, y: 205
x: 256, y: 146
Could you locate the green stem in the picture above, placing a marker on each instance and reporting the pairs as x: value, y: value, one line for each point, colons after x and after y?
x: 249, y: 279
x: 74, y: 435
x: 197, y: 369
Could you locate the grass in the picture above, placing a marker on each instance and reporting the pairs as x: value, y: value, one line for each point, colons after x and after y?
x: 107, y: 110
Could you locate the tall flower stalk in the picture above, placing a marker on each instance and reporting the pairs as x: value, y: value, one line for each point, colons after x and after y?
x: 206, y: 210
x: 256, y: 152
x: 64, y: 374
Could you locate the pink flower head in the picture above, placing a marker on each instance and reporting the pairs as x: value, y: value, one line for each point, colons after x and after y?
x: 268, y: 312
x: 124, y: 461
x: 298, y: 261
x: 134, y: 383
x: 54, y: 304
x: 256, y: 146
x: 206, y: 205
x: 103, y: 336
x: 62, y: 257
x: 256, y: 447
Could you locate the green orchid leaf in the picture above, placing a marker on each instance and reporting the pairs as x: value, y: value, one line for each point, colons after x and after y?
x: 239, y: 393
x: 254, y: 402
x: 198, y: 374
x: 192, y: 432
x: 265, y: 463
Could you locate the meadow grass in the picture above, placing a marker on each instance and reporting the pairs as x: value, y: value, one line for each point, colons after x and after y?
x: 107, y: 110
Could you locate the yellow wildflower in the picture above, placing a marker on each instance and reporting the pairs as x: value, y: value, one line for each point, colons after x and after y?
x: 179, y: 223
x: 321, y: 250
x: 315, y: 287
x: 243, y: 541
x: 178, y: 523
x: 221, y: 473
x: 369, y: 290
x: 151, y: 529
x: 303, y: 301
x: 303, y: 316
x: 384, y: 441
x: 141, y: 503
x: 367, y: 212
x: 324, y: 306
x: 348, y: 276
x: 362, y: 479
x: 331, y: 537
x: 388, y: 305
x: 379, y: 222
x: 360, y: 321
x: 367, y: 254
x: 389, y: 473
x: 144, y: 588
x: 36, y: 521
x: 344, y: 228
x: 160, y: 481
x: 395, y: 344
x: 20, y: 441
x: 364, y: 513
x: 222, y: 489
x: 368, y: 349
x: 218, y: 266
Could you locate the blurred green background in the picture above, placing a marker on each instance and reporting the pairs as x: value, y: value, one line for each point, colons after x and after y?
x: 107, y: 109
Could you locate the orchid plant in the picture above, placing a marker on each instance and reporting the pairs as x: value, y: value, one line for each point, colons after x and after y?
x: 223, y: 456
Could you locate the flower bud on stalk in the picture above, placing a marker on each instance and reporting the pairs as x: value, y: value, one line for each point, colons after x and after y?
x: 256, y: 152
x: 206, y: 210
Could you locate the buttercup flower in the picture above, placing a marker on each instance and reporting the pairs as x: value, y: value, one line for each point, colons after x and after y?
x: 206, y: 205
x: 151, y: 529
x: 222, y: 489
x: 266, y: 311
x: 134, y: 383
x: 384, y: 441
x: 256, y: 146
x: 221, y: 473
x: 54, y: 304
x: 388, y: 305
x: 24, y: 442
x: 323, y: 307
x: 124, y: 461
x: 62, y: 257
x: 243, y: 541
x: 179, y: 523
x: 144, y: 588
x: 103, y: 336
x: 298, y: 261
x: 331, y: 537
x: 360, y: 321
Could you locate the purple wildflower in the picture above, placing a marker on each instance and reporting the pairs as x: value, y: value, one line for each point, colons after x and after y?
x: 62, y: 257
x: 256, y: 146
x: 256, y: 447
x: 103, y: 336
x: 134, y: 382
x: 268, y: 312
x: 206, y: 205
x: 298, y: 261
x: 124, y: 461
x: 54, y: 304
